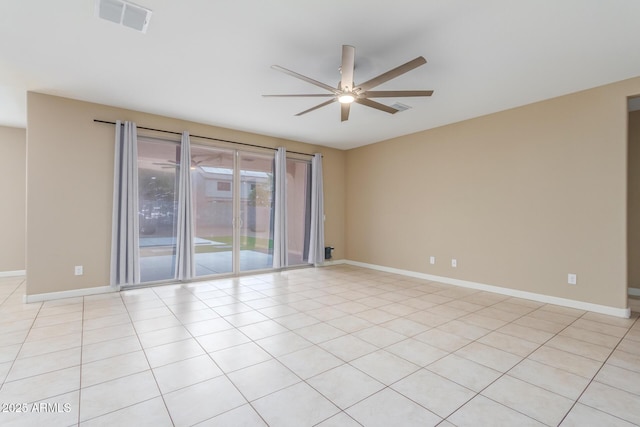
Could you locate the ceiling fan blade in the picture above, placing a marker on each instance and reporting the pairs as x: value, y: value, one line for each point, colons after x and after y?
x: 395, y: 93
x: 319, y: 95
x: 344, y: 112
x: 391, y: 74
x: 348, y: 63
x: 316, y: 107
x: 305, y: 78
x: 376, y: 105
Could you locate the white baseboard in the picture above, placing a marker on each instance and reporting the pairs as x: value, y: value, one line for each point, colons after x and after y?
x: 548, y: 299
x: 634, y: 292
x: 69, y: 294
x: 14, y: 273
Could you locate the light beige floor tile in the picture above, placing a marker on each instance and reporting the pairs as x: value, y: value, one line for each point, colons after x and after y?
x: 603, y: 328
x: 629, y: 346
x: 542, y: 405
x: 442, y: 340
x: 298, y: 320
x: 243, y: 416
x: 114, y: 367
x: 489, y: 356
x: 294, y: 406
x: 464, y: 330
x: 173, y: 352
x: 345, y: 385
x: 485, y: 412
x: 379, y: 336
x: 194, y: 404
x: 384, y: 366
x: 434, y: 392
x: 36, y: 365
x: 245, y: 318
x: 112, y: 395
x: 582, y: 415
x: 9, y: 353
x: 568, y: 361
x: 551, y: 316
x: 625, y: 360
x: 208, y: 326
x: 319, y: 332
x: 106, y: 349
x: 464, y: 372
x: 406, y: 327
x: 57, y: 319
x: 150, y: 413
x: 619, y: 378
x: 260, y: 330
x: 107, y: 333
x: 325, y: 313
x: 263, y: 378
x: 509, y: 343
x: 610, y: 320
x: 590, y: 336
x: 553, y: 379
x: 47, y: 332
x: 579, y: 347
x: 427, y: 318
x: 348, y: 347
x: 612, y: 401
x: 186, y: 372
x: 240, y: 356
x: 39, y: 414
x: 495, y: 313
x: 277, y: 311
x: 387, y: 408
x: 530, y: 334
x: 150, y: 313
x: 221, y: 340
x: 339, y: 420
x: 163, y: 336
x: 281, y: 344
x: 483, y: 321
x: 40, y: 387
x: 196, y: 316
x: 350, y: 323
x: 50, y: 345
x: 310, y: 361
x: 155, y: 324
x: 416, y: 352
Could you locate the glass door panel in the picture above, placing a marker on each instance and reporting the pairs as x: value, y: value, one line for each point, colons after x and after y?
x: 298, y: 211
x: 255, y: 199
x: 212, y: 183
x: 157, y: 207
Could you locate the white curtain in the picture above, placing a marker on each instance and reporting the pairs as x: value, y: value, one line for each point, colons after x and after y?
x: 316, y: 241
x: 125, y: 269
x: 280, y: 253
x: 185, y: 255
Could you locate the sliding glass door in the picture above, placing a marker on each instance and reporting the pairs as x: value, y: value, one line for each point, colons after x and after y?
x: 255, y: 204
x: 232, y: 204
x: 157, y: 206
x: 212, y: 181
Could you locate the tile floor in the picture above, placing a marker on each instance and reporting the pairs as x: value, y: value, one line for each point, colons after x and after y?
x: 334, y: 346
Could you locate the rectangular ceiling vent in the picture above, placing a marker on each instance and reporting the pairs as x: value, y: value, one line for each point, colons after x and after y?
x: 124, y: 13
x: 400, y: 107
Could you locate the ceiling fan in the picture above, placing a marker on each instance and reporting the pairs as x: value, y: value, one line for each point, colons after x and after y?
x: 348, y: 92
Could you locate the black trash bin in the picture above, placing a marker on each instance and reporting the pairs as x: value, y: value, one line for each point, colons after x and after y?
x: 327, y: 252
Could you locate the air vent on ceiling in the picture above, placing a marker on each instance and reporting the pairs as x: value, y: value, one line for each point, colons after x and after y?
x: 400, y: 107
x: 125, y: 13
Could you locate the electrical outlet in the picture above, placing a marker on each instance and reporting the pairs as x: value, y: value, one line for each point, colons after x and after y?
x: 432, y: 260
x: 78, y: 270
x: 454, y: 262
x: 572, y: 279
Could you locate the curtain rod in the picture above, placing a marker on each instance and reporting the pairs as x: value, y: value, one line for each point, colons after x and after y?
x: 205, y: 137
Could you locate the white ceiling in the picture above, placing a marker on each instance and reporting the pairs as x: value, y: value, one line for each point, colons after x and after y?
x: 209, y: 61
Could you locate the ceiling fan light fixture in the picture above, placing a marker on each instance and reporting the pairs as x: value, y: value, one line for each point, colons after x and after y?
x: 346, y: 98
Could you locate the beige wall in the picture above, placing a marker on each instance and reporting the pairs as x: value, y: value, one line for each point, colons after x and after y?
x: 634, y: 200
x: 70, y: 180
x: 12, y: 198
x: 520, y: 198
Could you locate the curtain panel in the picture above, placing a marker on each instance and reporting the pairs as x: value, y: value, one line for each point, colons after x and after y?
x: 125, y: 268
